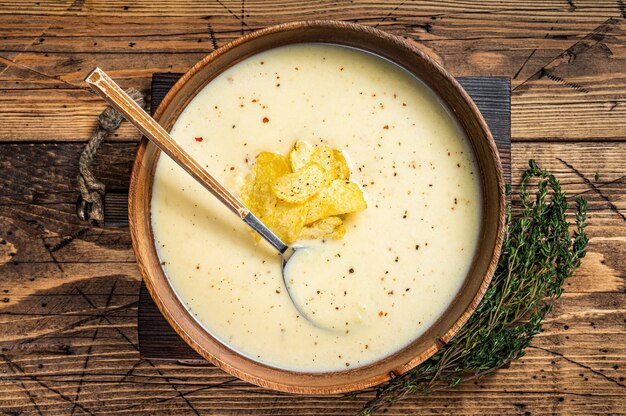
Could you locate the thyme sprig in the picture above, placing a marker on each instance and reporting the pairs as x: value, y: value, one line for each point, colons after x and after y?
x: 538, y: 254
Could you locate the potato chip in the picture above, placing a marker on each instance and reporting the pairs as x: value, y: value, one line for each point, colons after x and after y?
x: 341, y: 170
x: 286, y: 220
x: 257, y: 190
x: 300, y: 155
x: 340, y: 197
x: 323, y: 155
x: 301, y: 196
x: 299, y: 186
x: 330, y: 227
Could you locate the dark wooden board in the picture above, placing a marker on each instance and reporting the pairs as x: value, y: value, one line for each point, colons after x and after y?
x: 157, y: 339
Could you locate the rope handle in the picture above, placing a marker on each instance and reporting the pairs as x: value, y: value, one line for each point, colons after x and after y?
x: 89, y: 205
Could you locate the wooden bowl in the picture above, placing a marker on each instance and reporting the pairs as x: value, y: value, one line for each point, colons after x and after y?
x: 484, y: 262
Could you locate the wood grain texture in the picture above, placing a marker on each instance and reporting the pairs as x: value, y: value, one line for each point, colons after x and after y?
x: 69, y: 291
x: 44, y: 60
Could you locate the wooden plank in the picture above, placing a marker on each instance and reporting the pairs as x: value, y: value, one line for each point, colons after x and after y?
x: 580, y: 358
x: 579, y: 107
x: 492, y: 95
x: 162, y: 82
x: 42, y: 63
x: 157, y: 340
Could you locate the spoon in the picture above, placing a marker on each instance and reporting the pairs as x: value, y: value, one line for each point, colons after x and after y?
x: 104, y: 86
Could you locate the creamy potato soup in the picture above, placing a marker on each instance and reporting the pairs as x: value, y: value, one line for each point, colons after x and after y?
x: 402, y: 259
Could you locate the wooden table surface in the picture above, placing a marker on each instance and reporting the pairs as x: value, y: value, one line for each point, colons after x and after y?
x: 69, y: 291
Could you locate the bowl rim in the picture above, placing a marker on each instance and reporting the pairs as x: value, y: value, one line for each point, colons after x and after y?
x: 199, y: 338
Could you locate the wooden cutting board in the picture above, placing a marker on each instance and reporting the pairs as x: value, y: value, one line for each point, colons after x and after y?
x: 157, y: 340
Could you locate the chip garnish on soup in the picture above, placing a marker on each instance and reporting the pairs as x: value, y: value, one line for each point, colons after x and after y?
x: 303, y: 195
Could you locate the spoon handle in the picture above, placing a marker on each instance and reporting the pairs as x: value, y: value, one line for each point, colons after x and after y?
x: 102, y: 84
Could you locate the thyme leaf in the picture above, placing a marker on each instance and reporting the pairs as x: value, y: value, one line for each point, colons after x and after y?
x: 538, y: 254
